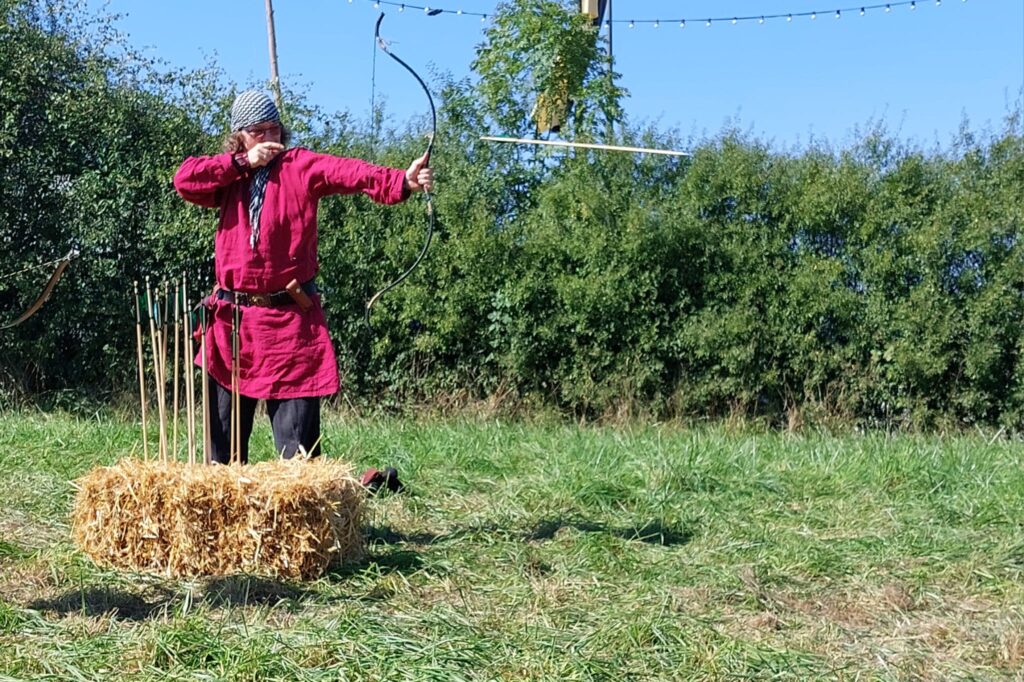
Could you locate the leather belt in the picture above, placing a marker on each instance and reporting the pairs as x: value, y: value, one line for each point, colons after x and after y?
x: 272, y: 300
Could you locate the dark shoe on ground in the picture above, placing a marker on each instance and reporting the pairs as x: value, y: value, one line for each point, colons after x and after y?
x: 391, y: 480
x: 374, y: 479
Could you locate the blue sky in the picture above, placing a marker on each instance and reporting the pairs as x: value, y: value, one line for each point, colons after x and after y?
x: 920, y: 71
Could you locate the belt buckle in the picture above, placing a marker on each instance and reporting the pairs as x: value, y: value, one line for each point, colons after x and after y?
x: 259, y: 300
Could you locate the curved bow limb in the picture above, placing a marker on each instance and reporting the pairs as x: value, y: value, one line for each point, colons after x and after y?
x: 382, y: 44
x: 51, y: 284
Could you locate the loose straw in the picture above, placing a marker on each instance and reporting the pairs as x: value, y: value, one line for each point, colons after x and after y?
x: 585, y: 145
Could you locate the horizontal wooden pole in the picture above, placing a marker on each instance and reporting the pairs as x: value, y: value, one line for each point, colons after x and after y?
x: 585, y: 145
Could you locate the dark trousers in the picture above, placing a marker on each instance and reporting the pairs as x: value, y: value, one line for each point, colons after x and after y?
x: 295, y: 422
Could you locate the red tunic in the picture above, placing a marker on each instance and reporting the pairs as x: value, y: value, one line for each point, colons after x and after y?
x: 285, y: 352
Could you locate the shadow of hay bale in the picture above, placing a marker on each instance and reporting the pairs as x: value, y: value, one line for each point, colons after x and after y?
x: 152, y: 601
x: 98, y: 601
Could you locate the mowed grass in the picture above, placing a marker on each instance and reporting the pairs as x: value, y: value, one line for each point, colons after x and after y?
x: 552, y: 552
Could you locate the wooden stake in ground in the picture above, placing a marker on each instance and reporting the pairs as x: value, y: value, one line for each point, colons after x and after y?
x: 206, y: 383
x: 142, y: 370
x: 163, y: 364
x: 154, y: 312
x: 190, y: 372
x: 174, y: 409
x: 236, y: 431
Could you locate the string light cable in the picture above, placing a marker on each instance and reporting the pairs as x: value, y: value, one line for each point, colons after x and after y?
x: 837, y: 13
x: 429, y: 11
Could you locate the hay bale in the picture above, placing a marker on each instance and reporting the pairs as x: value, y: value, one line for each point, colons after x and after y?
x: 291, y: 519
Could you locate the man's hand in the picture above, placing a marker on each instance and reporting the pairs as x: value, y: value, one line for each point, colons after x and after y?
x: 419, y: 177
x: 263, y: 153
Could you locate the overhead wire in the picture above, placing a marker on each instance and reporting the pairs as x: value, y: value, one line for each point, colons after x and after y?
x: 836, y: 13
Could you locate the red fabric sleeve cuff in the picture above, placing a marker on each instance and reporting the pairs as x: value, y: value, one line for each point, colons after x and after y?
x: 240, y: 160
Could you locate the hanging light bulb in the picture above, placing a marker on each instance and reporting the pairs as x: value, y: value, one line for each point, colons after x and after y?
x: 708, y: 24
x: 459, y: 12
x: 888, y: 9
x: 913, y: 5
x: 789, y: 18
x: 761, y: 20
x: 862, y: 11
x: 656, y: 23
x: 814, y: 15
x: 837, y: 14
x: 734, y: 21
x: 938, y: 2
x: 483, y: 18
x: 682, y: 23
x: 631, y: 24
x: 401, y: 8
x: 376, y: 5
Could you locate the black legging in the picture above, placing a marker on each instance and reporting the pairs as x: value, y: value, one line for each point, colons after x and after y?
x: 295, y: 422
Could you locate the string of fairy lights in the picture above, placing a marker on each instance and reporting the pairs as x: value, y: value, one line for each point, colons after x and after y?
x: 789, y: 17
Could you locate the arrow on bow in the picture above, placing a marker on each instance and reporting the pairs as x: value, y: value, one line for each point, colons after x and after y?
x: 61, y: 265
x: 430, y: 201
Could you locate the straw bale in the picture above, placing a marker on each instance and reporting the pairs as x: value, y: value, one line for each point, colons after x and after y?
x: 291, y: 519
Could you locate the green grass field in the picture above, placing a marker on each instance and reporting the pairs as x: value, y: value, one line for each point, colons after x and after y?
x: 551, y: 552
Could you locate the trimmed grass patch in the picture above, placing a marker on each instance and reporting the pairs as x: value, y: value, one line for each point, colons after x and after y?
x: 555, y: 552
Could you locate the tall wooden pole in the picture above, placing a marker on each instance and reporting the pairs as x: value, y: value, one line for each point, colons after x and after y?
x: 611, y: 62
x: 275, y: 82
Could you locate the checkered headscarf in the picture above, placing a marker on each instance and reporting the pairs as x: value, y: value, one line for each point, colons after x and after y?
x: 252, y: 107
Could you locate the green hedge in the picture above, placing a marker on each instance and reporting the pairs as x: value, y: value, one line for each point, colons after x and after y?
x: 878, y: 284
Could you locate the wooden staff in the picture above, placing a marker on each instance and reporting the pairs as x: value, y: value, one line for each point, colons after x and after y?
x: 174, y: 409
x: 206, y: 383
x: 142, y: 371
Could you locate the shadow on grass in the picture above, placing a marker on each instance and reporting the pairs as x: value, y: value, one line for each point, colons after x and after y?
x: 389, y: 536
x: 249, y: 590
x: 97, y: 601
x: 391, y: 561
x: 654, y: 532
x: 152, y: 601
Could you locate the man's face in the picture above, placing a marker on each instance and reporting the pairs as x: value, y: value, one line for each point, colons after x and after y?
x: 261, y: 132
